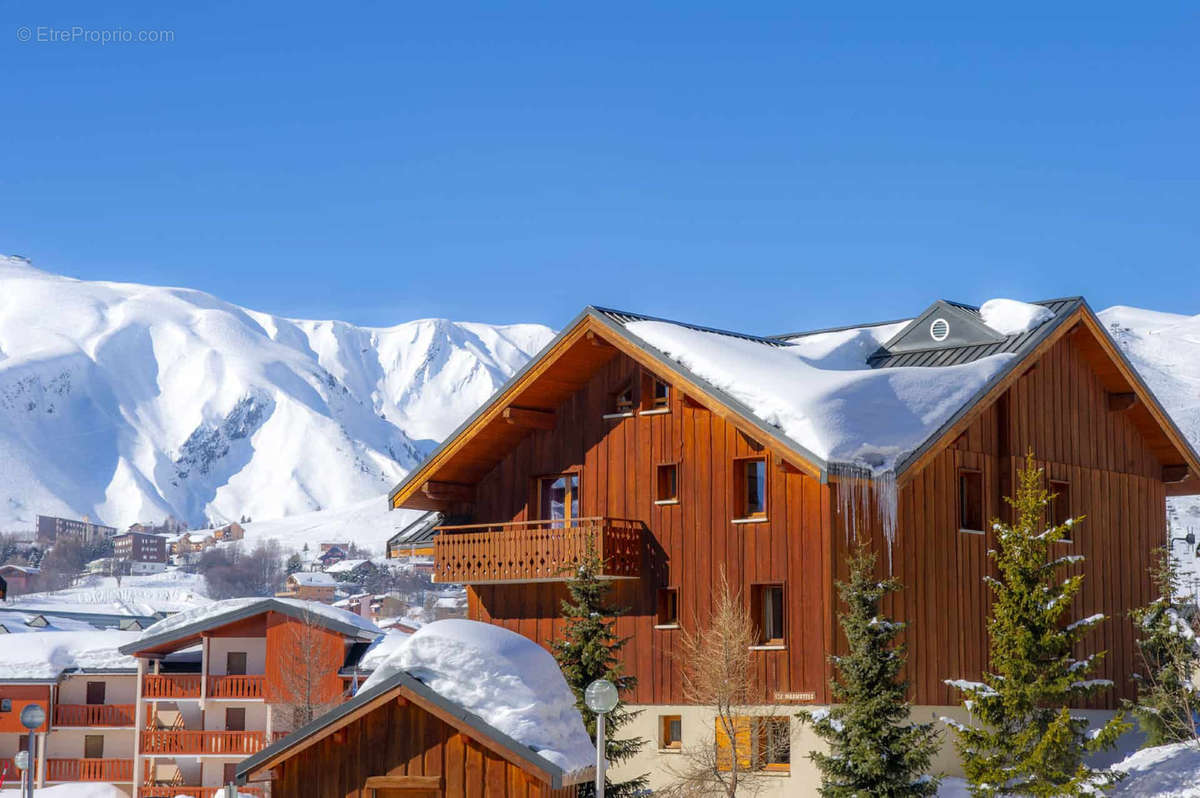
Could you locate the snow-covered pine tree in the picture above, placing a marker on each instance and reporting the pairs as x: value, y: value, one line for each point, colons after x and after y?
x: 1167, y: 702
x: 873, y: 749
x: 587, y: 652
x: 1024, y: 740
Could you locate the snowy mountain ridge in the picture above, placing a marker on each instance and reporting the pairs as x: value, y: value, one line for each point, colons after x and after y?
x: 126, y: 402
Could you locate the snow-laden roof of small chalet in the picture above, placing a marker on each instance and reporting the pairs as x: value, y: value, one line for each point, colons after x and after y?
x: 187, y: 624
x: 46, y: 656
x: 312, y: 579
x: 499, y: 683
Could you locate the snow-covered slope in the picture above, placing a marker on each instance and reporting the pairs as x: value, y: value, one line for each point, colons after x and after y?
x: 130, y: 403
x: 1165, y: 348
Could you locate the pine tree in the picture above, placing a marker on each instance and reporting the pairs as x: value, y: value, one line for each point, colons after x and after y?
x: 1024, y: 739
x: 589, y: 651
x: 873, y: 749
x: 1166, y: 706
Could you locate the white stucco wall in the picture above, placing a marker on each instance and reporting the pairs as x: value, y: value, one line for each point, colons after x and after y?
x: 255, y: 648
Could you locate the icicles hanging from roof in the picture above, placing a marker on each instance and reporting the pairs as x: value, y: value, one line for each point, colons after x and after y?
x: 866, y: 501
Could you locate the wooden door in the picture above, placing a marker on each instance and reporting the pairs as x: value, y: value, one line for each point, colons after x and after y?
x: 95, y: 692
x: 93, y: 746
x: 235, y: 663
x: 235, y: 719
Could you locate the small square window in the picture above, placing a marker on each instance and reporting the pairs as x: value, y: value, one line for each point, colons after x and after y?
x: 768, y: 612
x: 670, y: 732
x: 774, y: 744
x: 661, y: 398
x: 668, y: 607
x: 93, y: 746
x: 751, y: 484
x: 622, y: 400
x: 666, y: 483
x: 970, y: 501
x: 1060, y: 505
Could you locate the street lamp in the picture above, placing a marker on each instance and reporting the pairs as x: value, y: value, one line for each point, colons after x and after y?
x: 600, y: 697
x: 32, y: 717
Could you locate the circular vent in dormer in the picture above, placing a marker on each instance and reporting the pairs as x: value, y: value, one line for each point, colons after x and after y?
x: 939, y: 330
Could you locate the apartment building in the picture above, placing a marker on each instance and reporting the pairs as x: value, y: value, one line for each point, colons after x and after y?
x: 219, y: 683
x: 50, y: 529
x: 144, y: 553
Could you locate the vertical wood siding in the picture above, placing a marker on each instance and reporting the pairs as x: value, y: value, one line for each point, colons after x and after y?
x: 1058, y: 408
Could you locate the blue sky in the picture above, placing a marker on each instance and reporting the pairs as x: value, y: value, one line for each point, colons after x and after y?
x: 764, y: 170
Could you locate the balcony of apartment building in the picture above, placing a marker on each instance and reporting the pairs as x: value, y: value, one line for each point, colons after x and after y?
x: 195, y: 686
x: 536, y: 551
x: 109, y: 770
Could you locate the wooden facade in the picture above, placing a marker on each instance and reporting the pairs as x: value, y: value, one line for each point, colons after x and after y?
x: 1072, y: 401
x: 398, y: 742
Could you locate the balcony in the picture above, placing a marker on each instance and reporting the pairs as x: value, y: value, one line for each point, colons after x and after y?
x: 107, y: 770
x: 196, y: 743
x: 535, y: 551
x: 236, y: 687
x: 193, y: 792
x: 171, y: 685
x: 93, y: 715
x: 187, y: 685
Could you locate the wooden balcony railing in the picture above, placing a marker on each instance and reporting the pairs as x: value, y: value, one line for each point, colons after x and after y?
x: 235, y: 686
x: 535, y: 551
x: 172, y: 743
x: 110, y: 770
x: 192, y: 792
x: 93, y: 715
x: 171, y: 685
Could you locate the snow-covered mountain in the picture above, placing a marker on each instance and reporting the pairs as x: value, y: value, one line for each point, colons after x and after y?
x: 1165, y: 348
x: 128, y: 403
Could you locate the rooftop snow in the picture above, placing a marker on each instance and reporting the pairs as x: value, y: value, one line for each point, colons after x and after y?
x: 46, y: 655
x: 1010, y: 317
x: 313, y: 579
x: 820, y: 393
x: 507, y: 680
x: 219, y: 608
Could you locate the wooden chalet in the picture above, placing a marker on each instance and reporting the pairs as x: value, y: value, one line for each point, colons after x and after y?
x: 400, y: 739
x: 604, y: 437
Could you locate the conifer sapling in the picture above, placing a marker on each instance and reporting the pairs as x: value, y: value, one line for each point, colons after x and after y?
x: 873, y: 749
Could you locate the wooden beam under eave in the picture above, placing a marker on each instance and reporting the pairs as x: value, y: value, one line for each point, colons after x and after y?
x: 1174, y: 473
x: 448, y: 491
x: 596, y: 340
x: 529, y: 418
x: 1118, y: 402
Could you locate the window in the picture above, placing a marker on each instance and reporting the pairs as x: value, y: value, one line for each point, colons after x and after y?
x: 229, y: 773
x: 93, y: 746
x: 95, y: 692
x: 558, y: 497
x: 656, y: 394
x: 668, y: 607
x: 670, y: 732
x: 666, y: 483
x: 759, y: 743
x: 768, y: 612
x: 235, y: 663
x: 970, y: 501
x: 1060, y: 505
x: 773, y: 748
x: 751, y: 481
x: 235, y: 719
x: 622, y: 400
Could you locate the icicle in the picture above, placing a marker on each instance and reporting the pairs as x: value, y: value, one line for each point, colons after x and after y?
x: 865, y: 498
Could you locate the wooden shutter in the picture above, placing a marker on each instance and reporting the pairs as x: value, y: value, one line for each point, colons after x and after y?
x: 742, y: 743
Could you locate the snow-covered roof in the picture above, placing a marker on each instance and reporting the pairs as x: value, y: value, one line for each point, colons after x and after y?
x: 382, y: 649
x: 821, y: 394
x: 490, y: 678
x: 190, y: 623
x: 345, y: 566
x: 312, y: 579
x: 506, y: 679
x: 45, y: 655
